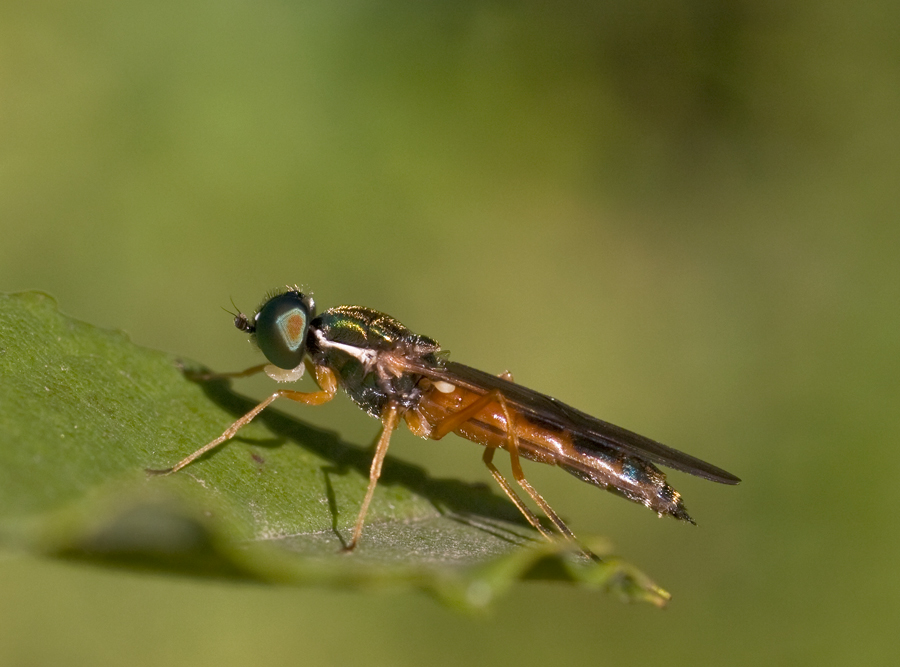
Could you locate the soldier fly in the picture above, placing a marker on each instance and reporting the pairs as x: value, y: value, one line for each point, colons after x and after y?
x: 394, y: 374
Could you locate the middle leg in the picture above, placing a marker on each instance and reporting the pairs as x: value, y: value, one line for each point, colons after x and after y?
x: 389, y: 421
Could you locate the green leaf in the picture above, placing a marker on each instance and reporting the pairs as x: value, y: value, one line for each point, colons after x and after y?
x: 83, y: 413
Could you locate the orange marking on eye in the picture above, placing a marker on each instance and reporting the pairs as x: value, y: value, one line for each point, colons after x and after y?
x: 295, y: 326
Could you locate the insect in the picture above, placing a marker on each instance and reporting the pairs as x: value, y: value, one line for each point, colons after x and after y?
x: 394, y: 374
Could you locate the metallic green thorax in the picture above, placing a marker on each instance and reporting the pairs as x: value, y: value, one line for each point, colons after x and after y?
x: 353, y: 341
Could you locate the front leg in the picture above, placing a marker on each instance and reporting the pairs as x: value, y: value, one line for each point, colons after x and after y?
x: 324, y: 377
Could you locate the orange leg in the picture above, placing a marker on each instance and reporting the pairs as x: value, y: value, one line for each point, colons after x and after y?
x: 389, y: 421
x: 324, y: 377
x: 452, y: 422
x: 457, y: 419
x: 511, y: 494
x: 519, y: 475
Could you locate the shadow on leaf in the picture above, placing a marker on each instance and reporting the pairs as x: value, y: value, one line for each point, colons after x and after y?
x: 472, y: 503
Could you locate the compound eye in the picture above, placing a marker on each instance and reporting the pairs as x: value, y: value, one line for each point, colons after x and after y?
x: 281, y: 327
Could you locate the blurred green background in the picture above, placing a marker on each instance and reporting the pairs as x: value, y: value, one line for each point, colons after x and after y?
x: 679, y: 216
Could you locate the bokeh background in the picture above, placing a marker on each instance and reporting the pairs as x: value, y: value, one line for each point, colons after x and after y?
x: 680, y: 216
